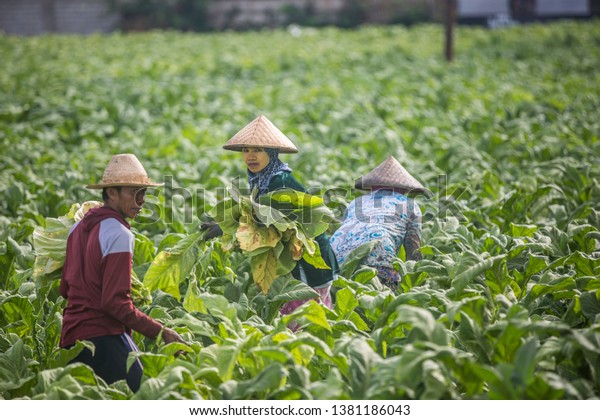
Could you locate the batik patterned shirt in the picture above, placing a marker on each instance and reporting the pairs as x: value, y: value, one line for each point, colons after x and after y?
x: 385, y: 216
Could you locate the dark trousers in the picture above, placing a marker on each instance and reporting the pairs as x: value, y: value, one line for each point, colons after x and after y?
x: 110, y: 359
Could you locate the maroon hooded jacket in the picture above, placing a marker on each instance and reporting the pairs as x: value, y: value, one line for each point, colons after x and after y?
x: 96, y: 280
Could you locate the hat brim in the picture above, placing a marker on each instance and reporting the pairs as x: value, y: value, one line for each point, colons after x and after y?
x: 123, y: 184
x: 403, y: 188
x: 239, y: 147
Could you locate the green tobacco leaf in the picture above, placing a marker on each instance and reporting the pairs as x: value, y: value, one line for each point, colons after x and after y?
x: 227, y: 214
x: 525, y: 363
x: 50, y: 246
x: 423, y: 326
x: 226, y: 360
x: 471, y: 336
x: 252, y: 237
x: 535, y: 265
x: 297, y: 199
x: 315, y: 259
x: 169, y: 241
x: 77, y: 211
x: 315, y: 221
x: 18, y: 312
x: 143, y: 249
x: 270, y: 216
x: 170, y: 268
x: 16, y: 368
x: 517, y: 230
x: 207, y: 303
x: 294, y: 244
x: 469, y: 266
x: 355, y: 257
x: 518, y: 203
x: 590, y: 305
x: 269, y: 380
x: 140, y: 295
x: 222, y: 211
x: 196, y: 326
x: 345, y: 302
x: 191, y: 301
x: 52, y: 241
x: 70, y: 382
x: 286, y: 289
x: 230, y: 224
x: 176, y: 381
x: 308, y: 243
x: 550, y: 283
x: 264, y: 269
x: 64, y: 356
x: 311, y: 311
x: 286, y: 261
x: 364, y: 275
x: 358, y: 322
x: 153, y: 363
x: 362, y: 364
x: 585, y: 265
x: 272, y: 354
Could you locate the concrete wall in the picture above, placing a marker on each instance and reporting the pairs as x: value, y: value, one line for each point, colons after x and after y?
x: 562, y: 7
x: 244, y: 13
x: 467, y: 8
x: 35, y: 17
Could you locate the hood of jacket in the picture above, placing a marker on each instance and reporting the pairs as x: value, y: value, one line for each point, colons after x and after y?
x: 95, y: 216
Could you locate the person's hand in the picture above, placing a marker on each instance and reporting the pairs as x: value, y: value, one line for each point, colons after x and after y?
x: 211, y: 229
x: 171, y: 336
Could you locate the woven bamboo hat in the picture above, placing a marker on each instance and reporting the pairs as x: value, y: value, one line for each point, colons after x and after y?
x: 391, y: 174
x: 261, y: 133
x: 124, y: 171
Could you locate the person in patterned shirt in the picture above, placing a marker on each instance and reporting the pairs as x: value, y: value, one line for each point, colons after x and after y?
x: 385, y: 217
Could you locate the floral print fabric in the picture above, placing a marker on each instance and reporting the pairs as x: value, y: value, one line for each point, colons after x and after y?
x: 385, y: 216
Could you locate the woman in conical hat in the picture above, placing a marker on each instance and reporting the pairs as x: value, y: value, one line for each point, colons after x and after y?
x: 260, y: 143
x: 385, y: 217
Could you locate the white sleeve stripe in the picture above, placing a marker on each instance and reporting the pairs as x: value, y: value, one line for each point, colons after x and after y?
x: 114, y: 237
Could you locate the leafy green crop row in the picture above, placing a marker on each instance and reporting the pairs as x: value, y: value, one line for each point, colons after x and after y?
x: 506, y: 302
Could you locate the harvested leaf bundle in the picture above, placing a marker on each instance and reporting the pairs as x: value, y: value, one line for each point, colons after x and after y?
x: 275, y: 231
x: 50, y: 244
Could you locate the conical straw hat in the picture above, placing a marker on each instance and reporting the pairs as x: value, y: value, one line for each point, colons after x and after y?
x: 391, y: 174
x: 261, y: 133
x: 124, y: 171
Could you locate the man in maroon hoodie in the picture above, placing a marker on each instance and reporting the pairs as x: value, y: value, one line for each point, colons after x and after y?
x: 96, y: 279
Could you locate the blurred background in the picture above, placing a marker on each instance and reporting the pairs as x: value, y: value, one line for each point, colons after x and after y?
x: 35, y: 17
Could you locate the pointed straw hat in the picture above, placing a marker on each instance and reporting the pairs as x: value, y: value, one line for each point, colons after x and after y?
x: 261, y: 133
x: 391, y: 174
x: 124, y: 171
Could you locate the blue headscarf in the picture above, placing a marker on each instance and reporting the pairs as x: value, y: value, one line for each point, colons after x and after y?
x: 261, y: 179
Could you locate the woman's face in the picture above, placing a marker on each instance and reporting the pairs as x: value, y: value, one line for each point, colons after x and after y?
x: 255, y: 158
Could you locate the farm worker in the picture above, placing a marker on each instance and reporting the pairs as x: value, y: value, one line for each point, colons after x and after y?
x: 385, y: 216
x: 260, y: 143
x: 96, y: 279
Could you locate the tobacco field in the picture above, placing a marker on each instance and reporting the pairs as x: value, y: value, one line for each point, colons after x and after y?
x: 505, y: 303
